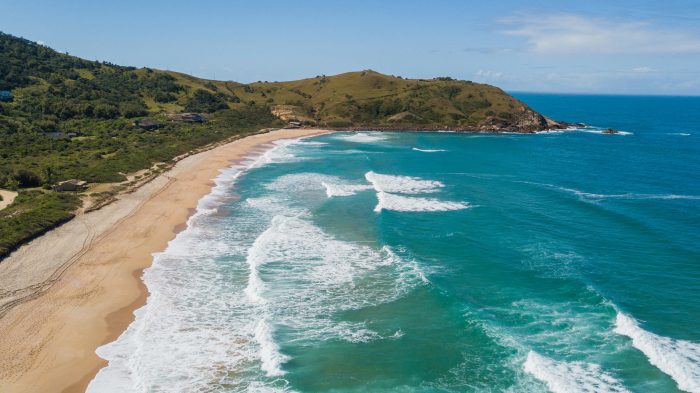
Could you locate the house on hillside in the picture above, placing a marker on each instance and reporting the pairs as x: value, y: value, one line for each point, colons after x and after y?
x: 146, y: 124
x: 71, y: 185
x: 5, y: 95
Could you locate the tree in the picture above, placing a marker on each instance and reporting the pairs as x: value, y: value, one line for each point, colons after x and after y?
x: 204, y: 101
x: 26, y: 178
x: 48, y: 174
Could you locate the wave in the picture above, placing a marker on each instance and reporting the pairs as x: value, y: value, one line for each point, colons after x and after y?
x: 363, y: 137
x: 679, y: 133
x: 631, y: 196
x: 595, y: 130
x: 402, y: 184
x: 195, y: 313
x: 566, y: 377
x: 270, y: 355
x: 344, y: 189
x: 402, y: 203
x: 308, y: 275
x: 429, y: 150
x: 180, y: 319
x: 679, y: 359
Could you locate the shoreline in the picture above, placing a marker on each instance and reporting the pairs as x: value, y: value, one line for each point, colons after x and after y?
x: 49, y: 341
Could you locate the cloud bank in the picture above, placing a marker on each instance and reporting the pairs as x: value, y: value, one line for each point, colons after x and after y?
x: 577, y: 34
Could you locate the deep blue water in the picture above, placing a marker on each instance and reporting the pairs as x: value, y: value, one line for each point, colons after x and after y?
x: 439, y: 262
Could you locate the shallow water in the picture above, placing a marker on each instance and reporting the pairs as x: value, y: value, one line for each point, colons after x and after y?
x: 438, y: 262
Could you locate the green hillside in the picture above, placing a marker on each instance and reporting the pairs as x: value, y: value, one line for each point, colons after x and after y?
x: 62, y: 117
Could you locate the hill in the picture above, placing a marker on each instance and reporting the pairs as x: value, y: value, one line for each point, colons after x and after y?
x: 62, y: 117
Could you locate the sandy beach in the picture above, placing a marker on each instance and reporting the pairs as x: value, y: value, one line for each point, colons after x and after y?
x: 75, y: 289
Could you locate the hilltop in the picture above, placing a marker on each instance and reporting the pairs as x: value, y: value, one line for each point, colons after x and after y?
x: 368, y: 99
x: 63, y: 117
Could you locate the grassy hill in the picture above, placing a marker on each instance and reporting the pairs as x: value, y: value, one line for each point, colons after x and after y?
x: 73, y: 118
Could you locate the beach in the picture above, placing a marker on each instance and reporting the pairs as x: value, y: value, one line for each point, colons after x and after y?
x: 75, y: 289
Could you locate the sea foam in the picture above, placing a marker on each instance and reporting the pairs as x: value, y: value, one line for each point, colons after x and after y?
x: 363, y: 137
x: 567, y: 377
x: 679, y: 359
x: 194, y: 313
x: 402, y: 184
x: 402, y: 203
x: 333, y: 190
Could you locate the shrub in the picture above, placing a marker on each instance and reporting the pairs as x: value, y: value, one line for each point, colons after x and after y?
x: 204, y: 101
x: 26, y: 178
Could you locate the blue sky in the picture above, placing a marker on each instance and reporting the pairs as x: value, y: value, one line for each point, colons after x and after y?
x: 592, y: 46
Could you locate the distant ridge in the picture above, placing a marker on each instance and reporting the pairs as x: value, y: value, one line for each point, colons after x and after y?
x: 365, y: 99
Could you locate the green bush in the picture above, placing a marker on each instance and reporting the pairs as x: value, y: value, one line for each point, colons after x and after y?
x: 204, y: 101
x: 26, y: 178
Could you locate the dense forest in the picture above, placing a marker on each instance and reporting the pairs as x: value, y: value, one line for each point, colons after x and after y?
x: 62, y: 117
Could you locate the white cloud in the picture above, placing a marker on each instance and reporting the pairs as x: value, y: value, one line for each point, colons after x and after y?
x: 577, y: 34
x: 41, y: 43
x: 643, y: 69
x: 489, y: 74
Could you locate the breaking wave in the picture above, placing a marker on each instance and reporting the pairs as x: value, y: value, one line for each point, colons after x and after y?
x: 363, y: 137
x: 333, y: 190
x: 567, y: 377
x: 402, y: 184
x: 679, y: 359
x: 402, y: 203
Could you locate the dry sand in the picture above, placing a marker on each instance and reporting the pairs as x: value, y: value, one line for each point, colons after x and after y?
x: 7, y: 198
x: 75, y: 289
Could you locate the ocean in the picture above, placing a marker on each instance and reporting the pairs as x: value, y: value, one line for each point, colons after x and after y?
x: 438, y: 262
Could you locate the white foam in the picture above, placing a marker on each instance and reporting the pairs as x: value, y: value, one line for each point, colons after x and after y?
x: 270, y: 355
x: 571, y: 377
x: 281, y: 152
x: 679, y: 133
x: 429, y: 150
x: 596, y: 130
x: 308, y: 275
x: 679, y: 359
x: 333, y: 190
x: 629, y: 195
x: 363, y: 137
x: 194, y: 313
x: 402, y: 203
x: 311, y: 143
x: 402, y: 184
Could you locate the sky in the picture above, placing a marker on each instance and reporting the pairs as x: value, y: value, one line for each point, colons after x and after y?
x: 584, y: 46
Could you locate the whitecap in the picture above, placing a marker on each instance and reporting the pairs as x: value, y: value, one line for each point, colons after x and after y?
x: 333, y: 190
x: 680, y: 359
x: 400, y: 203
x: 567, y: 377
x: 402, y: 184
x: 363, y: 137
x: 270, y: 355
x: 429, y: 150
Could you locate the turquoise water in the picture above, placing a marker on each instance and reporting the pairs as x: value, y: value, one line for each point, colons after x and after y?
x: 438, y: 262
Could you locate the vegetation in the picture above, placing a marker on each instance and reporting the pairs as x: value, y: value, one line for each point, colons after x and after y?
x: 31, y: 214
x: 72, y: 118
